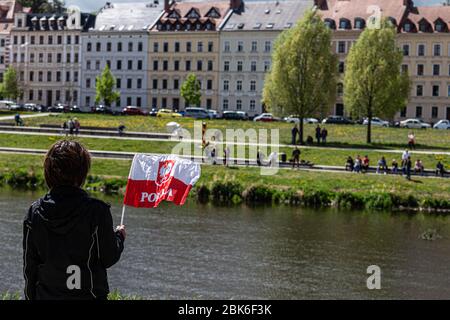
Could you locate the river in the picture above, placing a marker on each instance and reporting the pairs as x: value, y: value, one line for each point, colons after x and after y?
x: 207, y: 252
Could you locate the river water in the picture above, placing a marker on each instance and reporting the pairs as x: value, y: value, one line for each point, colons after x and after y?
x: 207, y: 252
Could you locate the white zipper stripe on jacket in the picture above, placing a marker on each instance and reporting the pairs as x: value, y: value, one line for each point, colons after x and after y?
x: 89, y: 260
x: 25, y: 264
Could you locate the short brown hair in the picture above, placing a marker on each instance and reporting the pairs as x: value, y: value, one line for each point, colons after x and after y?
x: 67, y: 163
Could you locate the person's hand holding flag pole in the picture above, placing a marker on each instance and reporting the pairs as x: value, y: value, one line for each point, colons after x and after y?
x: 154, y: 178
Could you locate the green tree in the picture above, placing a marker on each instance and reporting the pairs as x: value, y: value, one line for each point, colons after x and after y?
x: 105, y: 85
x: 190, y: 90
x: 44, y: 6
x: 374, y: 85
x: 9, y: 88
x: 302, y: 80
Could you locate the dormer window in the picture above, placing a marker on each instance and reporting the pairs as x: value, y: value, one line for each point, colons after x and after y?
x: 213, y: 13
x: 193, y: 14
x: 198, y: 26
x: 174, y: 15
x: 360, y: 23
x: 330, y: 24
x: 392, y: 21
x: 407, y: 27
x: 209, y: 26
x: 19, y: 23
x: 188, y: 26
x: 424, y: 26
x: 344, y: 24
x: 440, y: 26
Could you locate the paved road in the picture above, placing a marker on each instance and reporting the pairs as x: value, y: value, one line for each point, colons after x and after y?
x: 6, y: 130
x: 25, y: 116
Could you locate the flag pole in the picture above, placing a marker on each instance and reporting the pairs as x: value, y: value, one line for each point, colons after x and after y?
x: 123, y: 214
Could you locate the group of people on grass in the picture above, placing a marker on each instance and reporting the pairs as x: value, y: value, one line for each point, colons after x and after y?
x: 320, y: 133
x: 71, y: 127
x: 362, y: 165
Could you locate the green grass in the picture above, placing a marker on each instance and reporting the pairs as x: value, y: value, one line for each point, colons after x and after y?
x: 342, y: 136
x: 284, y: 179
x: 317, y: 156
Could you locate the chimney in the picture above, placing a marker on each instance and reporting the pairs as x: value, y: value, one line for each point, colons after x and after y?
x: 166, y: 5
x: 235, y: 4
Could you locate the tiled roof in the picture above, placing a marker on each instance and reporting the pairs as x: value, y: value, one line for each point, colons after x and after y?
x: 268, y: 15
x: 128, y: 16
x: 431, y: 14
x: 34, y: 19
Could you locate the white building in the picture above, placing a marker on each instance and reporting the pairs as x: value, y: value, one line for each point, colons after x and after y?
x: 247, y: 41
x: 119, y: 39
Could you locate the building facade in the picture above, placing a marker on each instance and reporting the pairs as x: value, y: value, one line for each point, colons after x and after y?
x: 46, y: 53
x: 246, y: 46
x: 185, y: 40
x: 120, y: 40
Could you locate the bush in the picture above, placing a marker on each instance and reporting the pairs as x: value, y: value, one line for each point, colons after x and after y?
x: 258, y: 194
x: 202, y: 192
x: 379, y: 201
x: 224, y: 192
x: 347, y: 200
x: 317, y: 198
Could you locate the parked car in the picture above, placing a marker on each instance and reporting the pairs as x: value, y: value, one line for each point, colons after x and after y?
x: 153, y: 112
x: 101, y: 109
x: 16, y: 107
x: 33, y: 107
x: 296, y: 119
x: 167, y: 113
x: 59, y: 108
x: 414, y: 124
x: 197, y: 113
x: 337, y: 120
x: 235, y: 115
x: 265, y: 117
x: 75, y: 109
x: 4, y: 104
x: 442, y: 124
x: 213, y: 114
x: 133, y: 111
x: 376, y: 122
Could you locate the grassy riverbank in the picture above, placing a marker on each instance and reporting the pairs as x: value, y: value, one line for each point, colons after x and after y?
x: 342, y: 136
x: 322, y: 156
x: 236, y: 185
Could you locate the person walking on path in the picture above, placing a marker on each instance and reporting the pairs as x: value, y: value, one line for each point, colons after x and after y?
x: 294, y: 133
x: 71, y: 126
x: 324, y: 134
x: 296, y: 157
x: 68, y: 237
x: 77, y: 126
x: 18, y: 120
x: 408, y: 166
x: 318, y: 134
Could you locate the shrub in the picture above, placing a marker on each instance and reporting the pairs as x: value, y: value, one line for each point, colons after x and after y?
x: 379, y: 201
x: 348, y: 200
x: 317, y: 198
x: 202, y: 192
x: 258, y: 194
x: 224, y: 192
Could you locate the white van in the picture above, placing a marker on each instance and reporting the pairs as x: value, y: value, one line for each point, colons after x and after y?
x: 197, y: 113
x: 5, y: 104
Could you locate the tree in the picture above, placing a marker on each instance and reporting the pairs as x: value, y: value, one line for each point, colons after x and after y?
x: 44, y: 6
x: 9, y: 88
x: 190, y: 90
x: 374, y: 84
x: 302, y: 80
x: 105, y: 84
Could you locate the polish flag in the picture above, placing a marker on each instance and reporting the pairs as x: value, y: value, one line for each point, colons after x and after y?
x: 155, y: 178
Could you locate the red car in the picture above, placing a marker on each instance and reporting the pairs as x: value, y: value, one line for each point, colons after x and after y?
x: 133, y: 111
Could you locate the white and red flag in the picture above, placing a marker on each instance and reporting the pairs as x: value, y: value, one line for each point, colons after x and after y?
x: 156, y: 178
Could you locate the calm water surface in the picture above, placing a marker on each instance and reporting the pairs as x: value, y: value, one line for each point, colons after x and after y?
x: 265, y: 253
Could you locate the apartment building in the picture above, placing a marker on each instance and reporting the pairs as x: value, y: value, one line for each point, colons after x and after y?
x: 7, y: 11
x: 120, y: 40
x: 423, y: 36
x: 246, y: 46
x: 46, y: 53
x: 185, y: 40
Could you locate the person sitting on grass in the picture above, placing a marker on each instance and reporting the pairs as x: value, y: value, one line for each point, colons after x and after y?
x: 419, y: 168
x: 411, y: 140
x: 365, y: 164
x: 382, y: 165
x: 68, y: 237
x: 296, y: 157
x: 309, y: 140
x: 440, y: 170
x: 394, y: 165
x: 358, y: 164
x: 350, y: 164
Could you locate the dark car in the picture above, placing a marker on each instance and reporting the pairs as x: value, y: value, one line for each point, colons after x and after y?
x: 75, y: 109
x: 59, y: 108
x: 234, y: 115
x: 336, y: 120
x: 33, y: 107
x: 101, y: 109
x: 153, y: 112
x: 133, y: 111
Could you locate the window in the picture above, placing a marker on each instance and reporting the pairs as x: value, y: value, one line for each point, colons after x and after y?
x: 226, y: 46
x: 266, y: 66
x: 434, y: 112
x: 436, y: 50
x: 240, y: 46
x: 129, y: 101
x: 77, y: 39
x: 68, y: 39
x: 166, y: 47
x: 154, y: 102
x: 252, y: 105
x: 420, y: 69
x: 240, y: 66
x: 97, y: 65
x: 421, y: 50
x: 254, y: 46
x: 41, y: 39
x: 41, y: 58
x: 165, y: 65
x: 59, y: 39
x: 139, y: 83
x: 176, y: 65
x: 119, y: 64
x: 129, y: 83
x: 119, y: 46
x: 88, y: 83
x: 419, y: 112
x: 75, y: 57
x: 253, y: 66
x: 267, y: 46
x: 58, y: 57
x: 49, y: 57
x: 88, y: 101
x: 130, y: 46
x: 210, y: 65
x: 210, y: 46
x: 226, y: 66
x: 226, y: 85
x: 436, y: 69
x: 118, y: 83
x: 98, y: 47
x: 50, y: 40
x: 130, y: 64
x: 155, y: 46
x: 139, y: 65
x: 68, y: 58
x: 58, y: 76
x: 164, y: 84
x: 155, y: 84
x: 405, y: 68
x: 140, y: 46
x: 341, y: 67
x: 200, y: 46
x: 341, y: 47
x: 188, y: 46
x: 209, y: 85
x: 31, y: 95
x: 448, y: 91
x: 155, y: 65
x: 176, y: 84
x: 419, y: 90
x: 188, y: 65
x: 32, y: 39
x: 239, y: 85
x: 406, y: 50
x: 108, y: 46
x: 208, y: 104
x: 238, y: 104
x: 40, y: 76
x: 340, y: 89
x: 435, y: 91
x: 31, y: 57
x: 58, y: 95
x: 68, y: 76
x: 253, y: 86
x: 225, y: 104
x: 199, y: 65
x: 31, y: 76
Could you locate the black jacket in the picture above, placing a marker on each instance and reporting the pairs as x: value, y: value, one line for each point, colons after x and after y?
x: 63, y: 229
